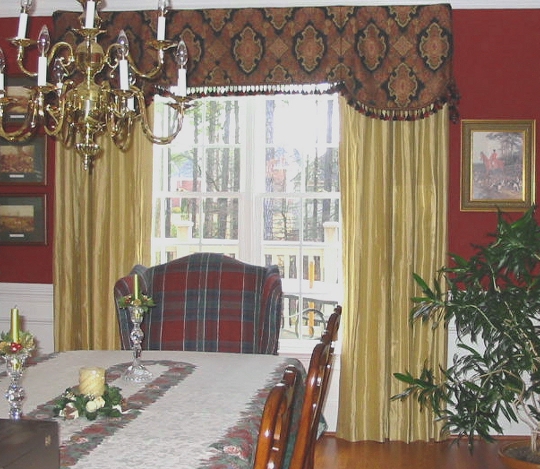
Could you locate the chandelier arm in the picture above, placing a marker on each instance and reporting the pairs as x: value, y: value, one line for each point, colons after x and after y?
x: 27, y: 127
x: 67, y: 62
x: 160, y: 46
x: 21, y: 45
x: 58, y: 113
x: 119, y: 116
x: 178, y: 121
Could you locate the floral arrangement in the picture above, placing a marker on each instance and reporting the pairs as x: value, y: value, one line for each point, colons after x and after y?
x: 143, y: 301
x: 10, y: 347
x: 72, y: 405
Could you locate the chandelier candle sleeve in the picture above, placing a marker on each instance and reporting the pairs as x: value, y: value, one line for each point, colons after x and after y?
x: 15, y: 325
x: 92, y: 381
x: 23, y: 21
x: 90, y: 12
x: 2, y: 68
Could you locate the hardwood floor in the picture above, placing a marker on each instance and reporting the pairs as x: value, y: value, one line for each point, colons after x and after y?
x: 335, y: 453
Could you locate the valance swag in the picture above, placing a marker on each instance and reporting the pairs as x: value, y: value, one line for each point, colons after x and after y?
x: 390, y: 62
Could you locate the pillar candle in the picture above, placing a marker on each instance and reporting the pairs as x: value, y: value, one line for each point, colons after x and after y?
x: 90, y: 12
x: 23, y: 21
x: 15, y: 326
x: 135, y: 287
x: 92, y: 381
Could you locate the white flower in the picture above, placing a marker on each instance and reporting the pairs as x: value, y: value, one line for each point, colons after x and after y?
x: 100, y: 402
x: 92, y: 406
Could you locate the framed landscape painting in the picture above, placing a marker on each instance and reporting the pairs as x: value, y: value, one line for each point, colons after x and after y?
x: 18, y: 88
x: 23, y: 162
x: 22, y: 219
x: 498, y: 165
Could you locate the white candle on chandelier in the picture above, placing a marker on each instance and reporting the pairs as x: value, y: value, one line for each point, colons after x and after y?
x: 2, y: 69
x: 162, y: 11
x: 181, y: 60
x: 90, y: 13
x: 123, y: 50
x: 23, y: 21
x: 23, y: 18
x: 43, y: 44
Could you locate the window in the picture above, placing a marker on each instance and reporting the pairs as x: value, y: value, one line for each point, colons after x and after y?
x: 257, y: 178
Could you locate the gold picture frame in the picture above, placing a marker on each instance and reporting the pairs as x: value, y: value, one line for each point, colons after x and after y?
x: 497, y: 165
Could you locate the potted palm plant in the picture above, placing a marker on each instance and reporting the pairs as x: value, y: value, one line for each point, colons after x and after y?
x: 493, y: 300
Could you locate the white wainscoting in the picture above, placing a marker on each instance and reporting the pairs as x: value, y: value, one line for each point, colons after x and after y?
x: 35, y: 303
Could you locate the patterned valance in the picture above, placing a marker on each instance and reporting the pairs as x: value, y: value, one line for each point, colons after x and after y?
x: 390, y: 62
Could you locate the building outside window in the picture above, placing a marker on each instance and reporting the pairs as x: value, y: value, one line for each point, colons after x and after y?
x: 257, y: 178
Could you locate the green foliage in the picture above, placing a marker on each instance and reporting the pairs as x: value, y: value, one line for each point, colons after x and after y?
x: 493, y: 299
x: 72, y: 405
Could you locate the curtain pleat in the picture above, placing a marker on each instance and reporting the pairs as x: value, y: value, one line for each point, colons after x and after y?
x: 102, y: 228
x: 394, y: 200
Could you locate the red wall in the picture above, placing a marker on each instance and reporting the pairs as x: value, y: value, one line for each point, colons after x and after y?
x: 28, y: 263
x: 497, y: 69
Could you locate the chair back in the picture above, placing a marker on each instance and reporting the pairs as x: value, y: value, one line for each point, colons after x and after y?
x: 276, y: 422
x: 332, y: 326
x: 316, y: 390
x: 207, y: 302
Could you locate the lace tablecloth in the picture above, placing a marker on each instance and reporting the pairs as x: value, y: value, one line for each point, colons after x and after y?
x: 201, y: 411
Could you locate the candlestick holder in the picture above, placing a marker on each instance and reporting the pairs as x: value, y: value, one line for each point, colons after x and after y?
x: 136, y: 372
x: 15, y: 393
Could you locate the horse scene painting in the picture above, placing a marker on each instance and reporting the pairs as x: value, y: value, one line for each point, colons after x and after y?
x: 497, y: 165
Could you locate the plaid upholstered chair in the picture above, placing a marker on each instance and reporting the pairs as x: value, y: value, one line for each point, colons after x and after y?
x: 206, y: 302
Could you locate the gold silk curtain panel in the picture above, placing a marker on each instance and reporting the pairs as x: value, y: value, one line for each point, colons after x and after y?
x: 392, y: 64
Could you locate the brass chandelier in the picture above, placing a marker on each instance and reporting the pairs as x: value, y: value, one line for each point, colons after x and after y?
x: 100, y: 103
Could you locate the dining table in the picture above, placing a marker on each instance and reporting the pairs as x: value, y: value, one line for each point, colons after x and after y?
x: 199, y: 410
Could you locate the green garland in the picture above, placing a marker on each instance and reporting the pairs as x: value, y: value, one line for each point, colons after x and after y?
x: 72, y: 405
x: 144, y: 302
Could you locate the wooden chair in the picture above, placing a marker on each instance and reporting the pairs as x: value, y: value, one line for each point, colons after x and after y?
x: 316, y: 390
x: 331, y: 332
x: 276, y: 422
x: 206, y: 302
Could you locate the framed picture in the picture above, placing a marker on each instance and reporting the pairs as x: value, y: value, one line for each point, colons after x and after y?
x: 22, y: 219
x: 497, y: 165
x: 23, y: 162
x: 19, y: 88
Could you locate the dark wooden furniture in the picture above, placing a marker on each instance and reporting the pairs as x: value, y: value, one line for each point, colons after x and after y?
x: 316, y: 389
x: 276, y: 420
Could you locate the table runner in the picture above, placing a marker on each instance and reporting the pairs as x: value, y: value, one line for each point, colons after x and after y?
x: 202, y: 410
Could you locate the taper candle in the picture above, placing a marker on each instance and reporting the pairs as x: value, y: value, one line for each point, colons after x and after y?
x: 135, y: 287
x: 15, y: 326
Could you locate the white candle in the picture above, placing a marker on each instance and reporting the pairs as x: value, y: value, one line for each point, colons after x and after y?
x: 23, y: 21
x: 92, y: 381
x: 42, y: 71
x: 124, y: 74
x: 135, y: 287
x: 90, y: 12
x: 161, y: 28
x: 182, y: 82
x: 2, y: 83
